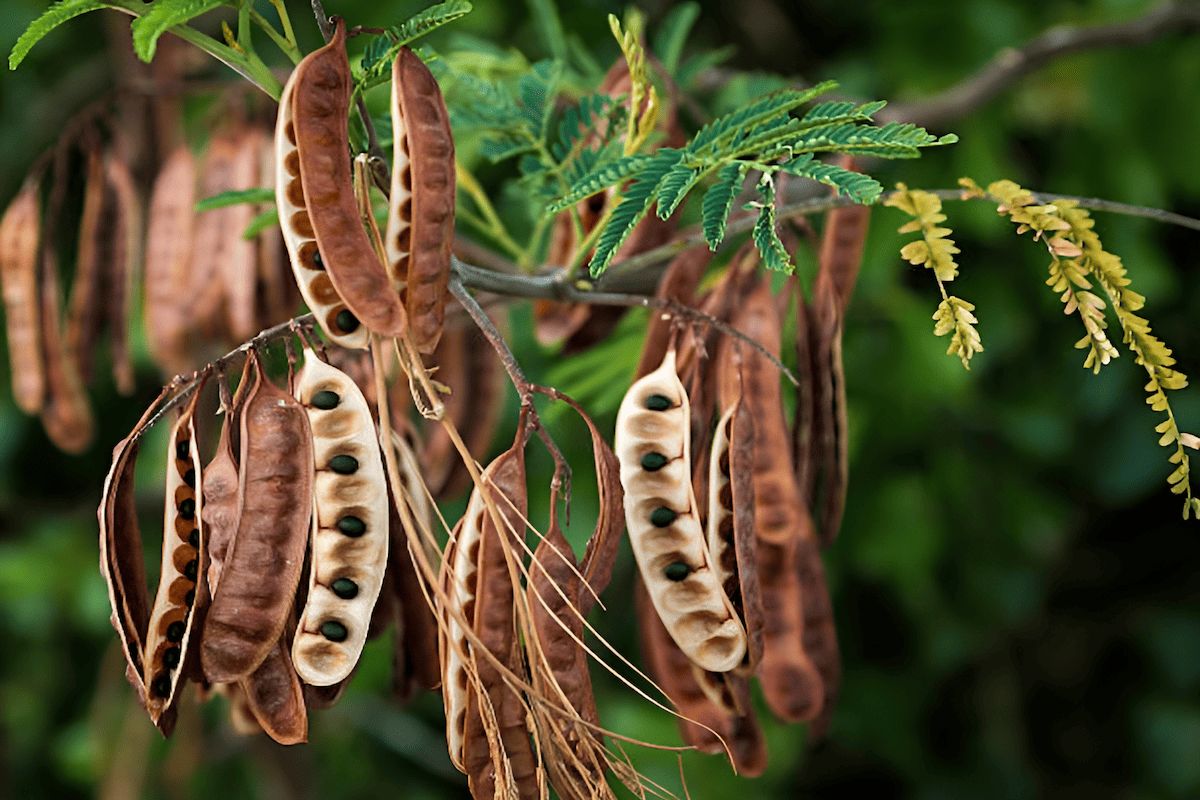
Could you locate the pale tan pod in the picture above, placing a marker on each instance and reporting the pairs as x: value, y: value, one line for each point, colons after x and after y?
x: 458, y: 579
x: 720, y: 505
x: 20, y: 233
x: 169, y: 232
x: 239, y: 264
x: 350, y: 530
x: 172, y: 621
x: 652, y: 444
x: 315, y: 286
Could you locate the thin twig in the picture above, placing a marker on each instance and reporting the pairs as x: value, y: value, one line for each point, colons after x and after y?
x: 322, y: 20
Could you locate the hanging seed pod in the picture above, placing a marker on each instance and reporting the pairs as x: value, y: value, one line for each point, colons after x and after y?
x: 20, y: 234
x: 85, y: 311
x: 420, y: 227
x: 261, y: 572
x: 169, y: 235
x: 312, y: 126
x: 275, y: 697
x: 124, y: 254
x: 820, y: 634
x: 184, y: 564
x: 652, y: 444
x: 67, y: 415
x: 217, y: 247
x: 239, y: 267
x: 350, y: 534
x: 678, y: 283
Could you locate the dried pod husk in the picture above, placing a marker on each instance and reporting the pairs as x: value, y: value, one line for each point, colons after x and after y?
x: 420, y: 229
x: 678, y: 283
x: 652, y: 444
x: 239, y: 265
x: 88, y: 304
x: 124, y: 253
x: 820, y: 633
x: 173, y: 621
x: 169, y: 235
x: 217, y: 245
x: 350, y: 531
x: 830, y: 440
x: 241, y: 716
x: 20, y: 235
x: 262, y: 569
x: 318, y: 99
x: 275, y: 697
x: 466, y: 364
x: 67, y: 414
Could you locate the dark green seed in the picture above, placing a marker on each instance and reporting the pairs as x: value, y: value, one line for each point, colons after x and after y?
x: 162, y: 687
x: 344, y: 588
x: 662, y: 516
x: 194, y: 537
x: 318, y: 262
x: 187, y: 508
x: 344, y: 464
x: 171, y: 658
x: 326, y: 400
x: 189, y: 569
x: 183, y: 450
x: 346, y: 322
x: 189, y: 478
x: 677, y: 571
x: 653, y: 462
x: 190, y: 597
x: 658, y: 402
x: 175, y: 632
x: 334, y: 631
x: 352, y: 526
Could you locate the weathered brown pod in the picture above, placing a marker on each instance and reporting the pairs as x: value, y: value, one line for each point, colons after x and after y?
x: 420, y: 227
x: 239, y: 263
x: 320, y: 90
x: 169, y: 232
x: 67, y: 414
x: 124, y: 253
x: 184, y: 566
x: 20, y: 234
x: 87, y: 306
x: 259, y: 578
x: 275, y: 697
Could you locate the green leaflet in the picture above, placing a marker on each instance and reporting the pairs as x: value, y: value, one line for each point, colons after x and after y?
x: 377, y: 60
x: 235, y: 197
x: 719, y: 199
x: 267, y: 219
x: 675, y: 185
x: 159, y: 18
x: 50, y: 19
x: 855, y: 185
x: 608, y: 175
x: 766, y: 239
x: 720, y: 131
x: 633, y: 206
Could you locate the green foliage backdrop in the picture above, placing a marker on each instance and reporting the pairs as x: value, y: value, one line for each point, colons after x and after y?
x: 1017, y: 599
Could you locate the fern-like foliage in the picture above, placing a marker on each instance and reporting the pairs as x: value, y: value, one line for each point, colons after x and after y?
x: 1078, y: 255
x: 50, y: 19
x: 377, y: 60
x: 718, y: 200
x: 160, y: 17
x: 936, y: 250
x: 766, y: 239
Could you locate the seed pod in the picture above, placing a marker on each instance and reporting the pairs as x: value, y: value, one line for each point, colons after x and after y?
x: 830, y: 442
x: 67, y: 415
x: 217, y: 246
x: 275, y: 697
x: 220, y: 485
x: 85, y: 311
x: 820, y: 635
x: 20, y: 233
x: 260, y: 575
x: 420, y: 227
x: 678, y: 283
x: 124, y: 253
x: 652, y: 444
x: 350, y: 534
x: 184, y: 563
x: 312, y: 125
x: 239, y: 266
x: 169, y: 233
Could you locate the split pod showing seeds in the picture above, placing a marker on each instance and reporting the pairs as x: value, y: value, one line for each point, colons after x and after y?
x: 262, y: 569
x: 350, y: 525
x: 184, y: 567
x: 420, y: 227
x: 661, y: 515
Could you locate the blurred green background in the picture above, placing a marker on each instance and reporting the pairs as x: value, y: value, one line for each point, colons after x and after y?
x: 1017, y: 599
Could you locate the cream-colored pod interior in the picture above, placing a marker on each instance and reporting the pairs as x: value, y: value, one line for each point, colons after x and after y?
x: 350, y: 525
x: 652, y: 444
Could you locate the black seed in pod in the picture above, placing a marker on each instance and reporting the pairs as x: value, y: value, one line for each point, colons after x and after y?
x: 334, y: 631
x: 346, y: 322
x: 344, y: 588
x: 190, y: 597
x: 662, y: 516
x: 187, y: 508
x: 351, y: 526
x: 183, y: 450
x: 317, y: 261
x: 175, y: 632
x: 162, y: 687
x: 677, y: 571
x: 171, y: 658
x: 344, y: 464
x: 653, y: 462
x: 326, y: 400
x: 194, y: 537
x: 189, y: 569
x: 658, y: 402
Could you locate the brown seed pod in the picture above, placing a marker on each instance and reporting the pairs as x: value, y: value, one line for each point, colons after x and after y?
x: 169, y: 233
x: 678, y: 283
x: 124, y: 253
x: 317, y: 101
x: 87, y: 306
x: 20, y: 234
x: 350, y: 531
x: 275, y: 697
x: 420, y: 227
x: 217, y: 247
x: 184, y: 566
x: 239, y: 265
x: 261, y: 572
x: 820, y: 634
x: 652, y: 444
x: 67, y: 415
